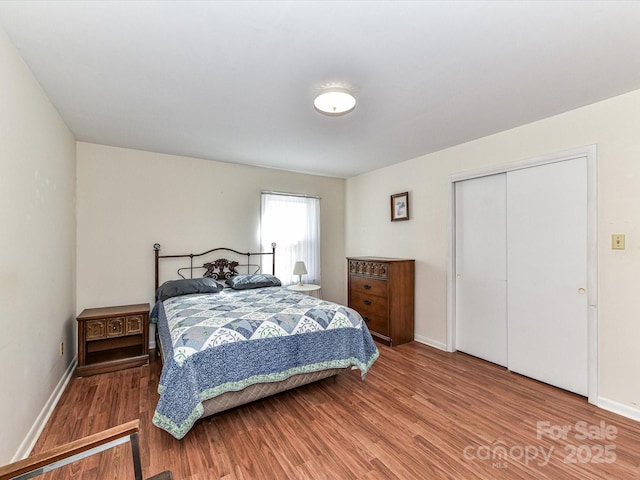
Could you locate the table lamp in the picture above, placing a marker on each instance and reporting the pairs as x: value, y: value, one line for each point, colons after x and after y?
x: 299, y: 269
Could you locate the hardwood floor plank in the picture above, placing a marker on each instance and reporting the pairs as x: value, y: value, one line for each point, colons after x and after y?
x: 420, y: 414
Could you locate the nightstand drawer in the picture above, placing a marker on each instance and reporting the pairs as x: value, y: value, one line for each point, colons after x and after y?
x: 95, y: 330
x: 133, y: 325
x: 115, y: 327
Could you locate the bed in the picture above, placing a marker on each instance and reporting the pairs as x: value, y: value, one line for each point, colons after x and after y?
x: 229, y: 334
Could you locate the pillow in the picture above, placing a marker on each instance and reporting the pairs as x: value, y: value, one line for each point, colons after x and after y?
x: 175, y: 288
x: 257, y: 280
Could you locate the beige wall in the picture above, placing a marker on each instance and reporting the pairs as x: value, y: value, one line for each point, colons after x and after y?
x: 129, y: 199
x: 37, y: 258
x: 614, y: 125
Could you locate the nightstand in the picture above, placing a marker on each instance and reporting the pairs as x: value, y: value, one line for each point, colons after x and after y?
x: 112, y: 338
x: 307, y: 288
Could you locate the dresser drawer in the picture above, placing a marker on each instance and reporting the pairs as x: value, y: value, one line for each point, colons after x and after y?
x: 368, y: 286
x: 373, y: 309
x: 368, y: 268
x: 371, y: 303
x: 376, y: 323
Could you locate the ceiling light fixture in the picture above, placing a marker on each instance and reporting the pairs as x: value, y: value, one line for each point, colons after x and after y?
x: 335, y: 101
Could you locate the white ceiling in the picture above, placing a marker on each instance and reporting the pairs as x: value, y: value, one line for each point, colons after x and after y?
x: 235, y: 81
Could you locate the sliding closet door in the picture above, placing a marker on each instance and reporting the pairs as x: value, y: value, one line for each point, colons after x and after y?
x: 481, y: 295
x: 547, y: 272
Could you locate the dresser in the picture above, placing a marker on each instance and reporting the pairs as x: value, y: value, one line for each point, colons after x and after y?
x: 112, y: 338
x: 382, y: 291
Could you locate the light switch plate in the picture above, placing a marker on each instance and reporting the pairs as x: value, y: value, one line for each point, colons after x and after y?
x: 617, y: 241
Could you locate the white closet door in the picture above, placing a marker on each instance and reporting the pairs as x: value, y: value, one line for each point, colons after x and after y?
x: 481, y: 295
x: 547, y: 271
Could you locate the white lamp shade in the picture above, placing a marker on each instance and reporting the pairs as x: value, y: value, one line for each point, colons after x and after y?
x: 299, y: 269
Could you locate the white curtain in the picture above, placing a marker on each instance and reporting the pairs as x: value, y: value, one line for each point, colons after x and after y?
x: 293, y: 223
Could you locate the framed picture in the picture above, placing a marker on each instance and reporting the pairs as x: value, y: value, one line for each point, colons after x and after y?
x: 400, y: 206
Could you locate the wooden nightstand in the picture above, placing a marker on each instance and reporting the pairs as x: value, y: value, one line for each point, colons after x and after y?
x: 112, y: 338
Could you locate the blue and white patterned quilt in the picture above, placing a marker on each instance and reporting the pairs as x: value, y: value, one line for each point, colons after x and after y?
x: 215, y: 343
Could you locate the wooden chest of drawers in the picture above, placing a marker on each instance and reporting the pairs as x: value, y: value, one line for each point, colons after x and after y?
x: 382, y: 291
x: 112, y: 338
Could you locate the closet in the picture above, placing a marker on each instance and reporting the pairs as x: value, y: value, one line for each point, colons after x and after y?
x: 521, y: 276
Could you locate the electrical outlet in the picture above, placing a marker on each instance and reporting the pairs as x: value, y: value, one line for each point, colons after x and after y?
x: 61, y: 348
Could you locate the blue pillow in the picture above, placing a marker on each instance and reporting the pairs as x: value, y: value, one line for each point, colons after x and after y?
x: 257, y: 280
x: 175, y: 288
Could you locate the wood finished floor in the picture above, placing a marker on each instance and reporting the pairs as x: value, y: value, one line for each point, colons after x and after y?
x: 420, y: 414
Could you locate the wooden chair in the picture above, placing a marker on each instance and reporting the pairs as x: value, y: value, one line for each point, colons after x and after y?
x: 72, y: 452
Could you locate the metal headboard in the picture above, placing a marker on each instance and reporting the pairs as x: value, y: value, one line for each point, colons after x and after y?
x: 219, y: 264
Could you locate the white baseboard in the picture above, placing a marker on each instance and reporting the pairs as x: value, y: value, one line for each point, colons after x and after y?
x: 619, y: 408
x: 430, y: 342
x: 36, y: 429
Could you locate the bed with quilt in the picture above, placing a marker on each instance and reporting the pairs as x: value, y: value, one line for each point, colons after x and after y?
x: 231, y: 338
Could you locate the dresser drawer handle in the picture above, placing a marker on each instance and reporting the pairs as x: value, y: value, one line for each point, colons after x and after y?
x: 367, y: 302
x: 366, y: 319
x: 367, y: 287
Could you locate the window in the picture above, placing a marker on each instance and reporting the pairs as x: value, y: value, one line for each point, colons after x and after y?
x: 293, y: 223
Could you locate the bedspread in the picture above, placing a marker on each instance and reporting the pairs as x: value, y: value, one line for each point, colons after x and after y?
x: 215, y: 343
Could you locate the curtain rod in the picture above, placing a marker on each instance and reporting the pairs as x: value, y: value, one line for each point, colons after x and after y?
x: 284, y: 194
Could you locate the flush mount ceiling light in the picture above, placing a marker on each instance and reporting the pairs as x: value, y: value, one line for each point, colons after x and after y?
x: 335, y: 101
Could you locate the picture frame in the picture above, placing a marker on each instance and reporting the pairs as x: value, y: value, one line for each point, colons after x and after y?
x: 400, y: 206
